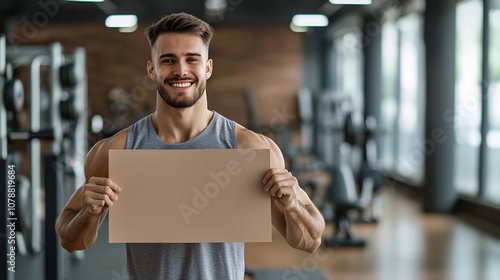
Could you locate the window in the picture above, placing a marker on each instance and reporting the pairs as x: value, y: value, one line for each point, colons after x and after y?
x: 389, y: 93
x: 468, y: 95
x: 348, y: 48
x: 411, y: 119
x: 492, y: 182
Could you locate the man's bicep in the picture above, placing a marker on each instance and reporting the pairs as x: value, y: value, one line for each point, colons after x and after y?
x: 277, y: 159
x: 97, y: 161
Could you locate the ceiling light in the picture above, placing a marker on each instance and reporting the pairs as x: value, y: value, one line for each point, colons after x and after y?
x: 351, y: 2
x: 310, y: 20
x: 84, y: 0
x: 121, y: 21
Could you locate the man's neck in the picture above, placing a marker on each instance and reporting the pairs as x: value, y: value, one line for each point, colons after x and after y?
x: 177, y: 125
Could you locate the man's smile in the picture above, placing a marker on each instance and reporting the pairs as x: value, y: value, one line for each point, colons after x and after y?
x: 180, y: 85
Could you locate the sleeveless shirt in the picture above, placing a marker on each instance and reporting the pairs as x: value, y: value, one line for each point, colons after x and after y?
x: 211, y: 261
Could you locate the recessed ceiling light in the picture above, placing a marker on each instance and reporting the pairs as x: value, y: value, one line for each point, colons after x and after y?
x: 118, y: 21
x: 310, y: 20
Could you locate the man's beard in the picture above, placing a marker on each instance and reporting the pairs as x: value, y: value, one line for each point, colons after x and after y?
x: 181, y: 102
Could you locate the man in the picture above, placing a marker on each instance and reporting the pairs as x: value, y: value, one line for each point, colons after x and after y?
x: 180, y: 67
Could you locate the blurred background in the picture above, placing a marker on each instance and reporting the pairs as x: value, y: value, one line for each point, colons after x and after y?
x: 385, y: 110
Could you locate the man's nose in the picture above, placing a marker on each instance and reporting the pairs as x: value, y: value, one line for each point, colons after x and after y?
x: 181, y: 69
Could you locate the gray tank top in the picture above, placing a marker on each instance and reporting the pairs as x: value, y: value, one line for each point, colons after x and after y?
x: 217, y: 261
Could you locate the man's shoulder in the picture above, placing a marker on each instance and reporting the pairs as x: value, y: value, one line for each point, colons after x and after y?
x: 97, y: 158
x: 117, y: 141
x: 247, y: 139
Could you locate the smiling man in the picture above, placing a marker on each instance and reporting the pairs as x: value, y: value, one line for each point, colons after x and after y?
x: 180, y: 68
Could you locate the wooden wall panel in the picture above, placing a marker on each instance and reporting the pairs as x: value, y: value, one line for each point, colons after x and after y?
x: 266, y: 60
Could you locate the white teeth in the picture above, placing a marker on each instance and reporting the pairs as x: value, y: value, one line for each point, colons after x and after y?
x: 181, y: 84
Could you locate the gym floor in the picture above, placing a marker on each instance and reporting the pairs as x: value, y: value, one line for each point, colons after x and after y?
x: 405, y: 244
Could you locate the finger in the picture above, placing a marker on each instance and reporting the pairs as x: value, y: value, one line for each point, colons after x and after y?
x: 108, y: 201
x: 109, y: 193
x: 281, y: 188
x: 276, y: 178
x: 271, y: 172
x: 103, y: 199
x: 101, y: 181
x: 92, y: 189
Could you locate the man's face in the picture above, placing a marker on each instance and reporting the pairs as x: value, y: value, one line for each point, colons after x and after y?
x: 180, y: 67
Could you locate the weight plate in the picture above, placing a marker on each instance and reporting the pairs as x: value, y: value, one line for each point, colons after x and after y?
x: 14, y: 95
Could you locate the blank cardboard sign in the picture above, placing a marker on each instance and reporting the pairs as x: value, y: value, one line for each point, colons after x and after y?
x: 190, y: 196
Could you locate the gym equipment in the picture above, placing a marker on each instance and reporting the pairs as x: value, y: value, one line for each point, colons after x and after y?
x: 62, y: 121
x: 342, y: 194
x: 345, y: 186
x: 302, y: 157
x: 35, y: 57
x: 370, y: 167
x: 13, y: 95
x: 338, y: 131
x: 4, y: 246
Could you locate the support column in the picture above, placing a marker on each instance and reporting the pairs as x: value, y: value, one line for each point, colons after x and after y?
x: 439, y: 31
x: 372, y: 66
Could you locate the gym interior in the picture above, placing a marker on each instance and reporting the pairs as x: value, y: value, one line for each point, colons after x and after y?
x: 386, y: 112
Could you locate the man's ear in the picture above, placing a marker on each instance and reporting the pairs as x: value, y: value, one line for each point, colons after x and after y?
x: 210, y: 67
x: 151, y: 71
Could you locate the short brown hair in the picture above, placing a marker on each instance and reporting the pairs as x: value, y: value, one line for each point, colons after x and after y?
x: 180, y: 22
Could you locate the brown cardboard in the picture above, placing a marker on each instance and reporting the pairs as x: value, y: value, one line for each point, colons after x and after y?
x: 190, y: 196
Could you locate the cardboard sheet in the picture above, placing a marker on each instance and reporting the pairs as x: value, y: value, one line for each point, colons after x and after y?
x: 190, y: 196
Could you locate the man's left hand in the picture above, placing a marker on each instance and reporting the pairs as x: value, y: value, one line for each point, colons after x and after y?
x: 282, y: 186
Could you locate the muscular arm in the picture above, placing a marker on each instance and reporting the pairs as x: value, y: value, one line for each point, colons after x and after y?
x: 293, y: 213
x: 79, y: 221
x: 76, y: 226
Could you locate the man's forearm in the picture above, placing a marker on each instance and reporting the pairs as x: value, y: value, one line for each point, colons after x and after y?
x: 78, y: 230
x: 304, y: 227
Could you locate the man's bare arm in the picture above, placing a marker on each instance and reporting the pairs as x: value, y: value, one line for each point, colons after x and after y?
x: 293, y: 213
x: 79, y: 221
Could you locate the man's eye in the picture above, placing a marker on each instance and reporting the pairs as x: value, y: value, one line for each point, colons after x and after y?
x: 168, y: 61
x: 192, y: 59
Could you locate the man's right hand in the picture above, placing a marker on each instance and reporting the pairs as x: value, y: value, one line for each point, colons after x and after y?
x: 99, y: 193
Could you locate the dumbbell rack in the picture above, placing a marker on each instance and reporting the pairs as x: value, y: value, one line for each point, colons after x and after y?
x: 4, y: 273
x: 67, y: 116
